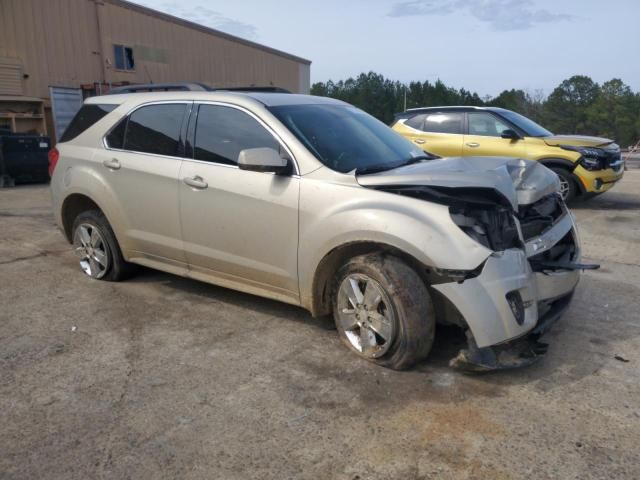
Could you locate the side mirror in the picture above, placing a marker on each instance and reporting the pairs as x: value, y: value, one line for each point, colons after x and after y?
x: 264, y: 160
x: 511, y: 134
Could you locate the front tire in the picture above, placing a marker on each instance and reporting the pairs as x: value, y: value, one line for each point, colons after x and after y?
x: 568, y: 186
x: 95, y: 244
x: 383, y: 311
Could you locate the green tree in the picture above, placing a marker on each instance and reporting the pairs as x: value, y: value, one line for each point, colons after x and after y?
x: 566, y: 108
x: 578, y: 105
x: 614, y: 112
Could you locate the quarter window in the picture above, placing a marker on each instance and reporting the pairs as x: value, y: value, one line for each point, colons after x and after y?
x: 444, y: 122
x: 223, y: 132
x: 85, y: 118
x: 123, y: 57
x: 486, y: 124
x: 154, y: 129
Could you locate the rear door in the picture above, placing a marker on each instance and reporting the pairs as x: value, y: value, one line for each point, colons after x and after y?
x: 238, y: 225
x: 439, y: 133
x: 141, y: 166
x: 484, y: 137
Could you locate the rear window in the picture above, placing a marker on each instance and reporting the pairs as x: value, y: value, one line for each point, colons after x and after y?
x: 86, y: 116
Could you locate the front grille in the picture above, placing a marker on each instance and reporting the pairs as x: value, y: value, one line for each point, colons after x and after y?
x: 537, y: 217
x: 612, y: 158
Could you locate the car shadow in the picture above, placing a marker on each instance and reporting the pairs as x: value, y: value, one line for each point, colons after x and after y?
x: 554, y: 369
x: 608, y: 201
x: 231, y: 297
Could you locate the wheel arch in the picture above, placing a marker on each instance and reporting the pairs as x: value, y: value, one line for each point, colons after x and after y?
x: 330, y: 264
x: 567, y: 165
x: 72, y: 206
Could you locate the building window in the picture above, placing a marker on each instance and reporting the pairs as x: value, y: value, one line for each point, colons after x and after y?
x: 123, y: 57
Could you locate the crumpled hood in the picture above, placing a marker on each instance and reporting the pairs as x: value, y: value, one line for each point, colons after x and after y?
x: 576, y: 141
x: 520, y: 181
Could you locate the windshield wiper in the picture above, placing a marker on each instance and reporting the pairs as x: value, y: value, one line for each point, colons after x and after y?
x: 383, y: 167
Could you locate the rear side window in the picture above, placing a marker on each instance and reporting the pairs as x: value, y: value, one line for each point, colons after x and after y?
x: 223, y: 132
x: 416, y: 122
x: 444, y: 122
x: 153, y: 129
x: 86, y: 116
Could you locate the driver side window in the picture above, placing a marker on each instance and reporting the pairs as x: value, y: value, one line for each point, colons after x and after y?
x: 223, y: 132
x: 486, y: 124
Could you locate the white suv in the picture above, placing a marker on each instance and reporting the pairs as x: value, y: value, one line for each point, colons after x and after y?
x: 311, y: 201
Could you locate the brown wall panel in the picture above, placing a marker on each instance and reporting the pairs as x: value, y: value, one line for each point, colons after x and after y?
x: 66, y: 42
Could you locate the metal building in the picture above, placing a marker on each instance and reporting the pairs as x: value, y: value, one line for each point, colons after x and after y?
x: 62, y: 51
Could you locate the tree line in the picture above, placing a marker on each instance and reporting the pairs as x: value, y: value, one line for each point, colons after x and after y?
x: 577, y: 106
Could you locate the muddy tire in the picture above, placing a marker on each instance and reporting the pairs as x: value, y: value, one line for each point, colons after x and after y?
x: 383, y: 311
x: 568, y: 186
x: 96, y: 246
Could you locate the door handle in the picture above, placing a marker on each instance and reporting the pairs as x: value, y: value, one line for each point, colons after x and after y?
x: 196, y: 182
x: 472, y: 144
x: 113, y: 164
x: 419, y: 141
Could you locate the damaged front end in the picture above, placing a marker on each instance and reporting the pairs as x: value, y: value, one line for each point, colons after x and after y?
x: 512, y: 208
x: 521, y: 292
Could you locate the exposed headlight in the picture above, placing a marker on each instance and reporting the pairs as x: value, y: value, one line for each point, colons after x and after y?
x: 495, y: 228
x: 592, y: 158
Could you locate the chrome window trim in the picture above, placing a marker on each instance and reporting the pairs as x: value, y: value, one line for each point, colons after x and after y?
x: 129, y: 112
x: 194, y: 103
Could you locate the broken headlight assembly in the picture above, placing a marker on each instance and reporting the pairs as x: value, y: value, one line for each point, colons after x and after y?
x: 592, y: 158
x: 482, y: 213
x: 493, y: 227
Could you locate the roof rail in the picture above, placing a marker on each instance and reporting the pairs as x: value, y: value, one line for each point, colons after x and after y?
x: 160, y: 87
x: 254, y: 89
x: 189, y: 87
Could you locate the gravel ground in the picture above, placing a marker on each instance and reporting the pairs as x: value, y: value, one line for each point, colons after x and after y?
x: 163, y: 377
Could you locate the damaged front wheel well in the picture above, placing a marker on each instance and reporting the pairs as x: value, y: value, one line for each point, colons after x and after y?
x: 324, y: 278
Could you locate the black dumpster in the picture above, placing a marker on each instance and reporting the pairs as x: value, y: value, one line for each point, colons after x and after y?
x: 23, y: 158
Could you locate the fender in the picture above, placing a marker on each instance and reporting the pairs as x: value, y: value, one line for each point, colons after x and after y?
x: 558, y: 162
x: 421, y: 229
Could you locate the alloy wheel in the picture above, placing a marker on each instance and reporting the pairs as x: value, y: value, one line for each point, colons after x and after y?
x: 366, y: 315
x: 91, y: 249
x: 565, y: 188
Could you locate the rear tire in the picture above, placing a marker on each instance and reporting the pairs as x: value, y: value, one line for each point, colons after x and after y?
x: 383, y: 311
x: 97, y: 248
x: 568, y: 186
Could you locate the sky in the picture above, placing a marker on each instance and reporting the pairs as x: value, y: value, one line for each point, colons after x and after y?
x: 485, y: 46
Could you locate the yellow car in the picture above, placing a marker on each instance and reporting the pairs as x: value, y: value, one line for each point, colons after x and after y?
x: 585, y: 165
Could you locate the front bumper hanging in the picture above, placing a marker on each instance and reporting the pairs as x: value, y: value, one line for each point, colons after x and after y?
x: 517, y: 353
x: 516, y: 297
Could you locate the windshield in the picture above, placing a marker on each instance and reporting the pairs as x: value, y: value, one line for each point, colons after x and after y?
x: 531, y: 128
x: 345, y: 138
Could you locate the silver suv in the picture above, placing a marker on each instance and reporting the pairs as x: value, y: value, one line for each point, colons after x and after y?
x: 313, y: 202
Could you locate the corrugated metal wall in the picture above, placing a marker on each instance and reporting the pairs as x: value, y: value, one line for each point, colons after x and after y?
x: 53, y: 40
x: 67, y: 43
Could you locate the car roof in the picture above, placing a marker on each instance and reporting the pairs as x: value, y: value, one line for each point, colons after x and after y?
x: 265, y: 98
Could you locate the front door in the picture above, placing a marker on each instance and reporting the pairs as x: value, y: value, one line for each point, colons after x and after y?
x: 238, y: 225
x: 484, y: 139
